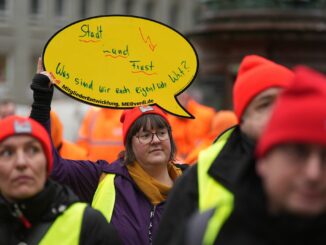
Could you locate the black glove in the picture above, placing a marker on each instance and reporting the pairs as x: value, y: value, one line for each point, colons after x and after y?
x: 42, y: 95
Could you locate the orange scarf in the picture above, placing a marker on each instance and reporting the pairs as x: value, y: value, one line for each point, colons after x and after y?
x: 153, y: 189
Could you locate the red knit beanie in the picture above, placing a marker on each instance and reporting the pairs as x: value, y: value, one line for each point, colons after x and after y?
x: 128, y: 117
x: 17, y: 125
x: 255, y: 75
x: 299, y: 114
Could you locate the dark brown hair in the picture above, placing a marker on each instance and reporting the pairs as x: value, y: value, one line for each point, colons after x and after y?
x: 155, y: 122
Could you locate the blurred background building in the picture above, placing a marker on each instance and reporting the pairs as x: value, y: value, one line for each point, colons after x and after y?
x: 222, y: 32
x: 26, y: 26
x: 287, y: 31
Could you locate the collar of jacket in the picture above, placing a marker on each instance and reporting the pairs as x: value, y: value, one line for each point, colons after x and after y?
x: 233, y: 160
x: 45, y: 206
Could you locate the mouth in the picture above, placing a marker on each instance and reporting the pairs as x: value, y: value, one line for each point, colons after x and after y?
x: 22, y: 179
x: 155, y: 150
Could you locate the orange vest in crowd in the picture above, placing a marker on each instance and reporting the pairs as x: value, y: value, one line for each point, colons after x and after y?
x: 221, y: 121
x: 101, y: 134
x: 188, y: 133
x: 68, y: 149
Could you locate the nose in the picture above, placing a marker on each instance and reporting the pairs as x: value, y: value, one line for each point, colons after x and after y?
x: 21, y: 160
x: 313, y: 168
x: 155, y: 138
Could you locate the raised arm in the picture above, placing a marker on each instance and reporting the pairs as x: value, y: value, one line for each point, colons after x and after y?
x: 81, y: 176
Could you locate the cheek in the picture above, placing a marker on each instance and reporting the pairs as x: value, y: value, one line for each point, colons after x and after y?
x: 5, y: 172
x: 139, y: 150
x: 40, y: 169
x: 277, y: 180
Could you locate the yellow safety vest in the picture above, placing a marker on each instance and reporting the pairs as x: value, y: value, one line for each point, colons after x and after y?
x: 66, y: 228
x: 210, y: 192
x: 215, y: 223
x: 104, y: 197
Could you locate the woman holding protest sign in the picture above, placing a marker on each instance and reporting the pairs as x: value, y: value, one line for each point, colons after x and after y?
x: 131, y: 191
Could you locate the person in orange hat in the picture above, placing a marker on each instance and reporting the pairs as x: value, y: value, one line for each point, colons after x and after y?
x: 33, y: 208
x: 100, y: 134
x: 279, y: 197
x: 222, y: 120
x: 259, y: 81
x: 65, y: 148
x: 185, y: 136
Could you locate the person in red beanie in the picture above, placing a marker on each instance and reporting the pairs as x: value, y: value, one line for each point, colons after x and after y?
x: 130, y: 192
x: 258, y: 83
x: 279, y: 198
x: 33, y: 209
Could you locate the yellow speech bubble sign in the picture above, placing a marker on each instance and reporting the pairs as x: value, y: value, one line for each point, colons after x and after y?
x: 121, y: 62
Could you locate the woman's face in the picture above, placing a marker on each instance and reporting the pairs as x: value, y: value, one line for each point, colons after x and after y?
x: 152, y: 146
x: 22, y: 167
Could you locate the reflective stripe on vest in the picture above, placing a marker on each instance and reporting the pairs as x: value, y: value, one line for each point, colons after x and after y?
x: 104, y: 197
x: 66, y: 228
x: 215, y: 223
x: 210, y: 192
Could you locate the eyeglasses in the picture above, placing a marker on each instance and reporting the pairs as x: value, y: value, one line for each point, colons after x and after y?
x: 147, y: 137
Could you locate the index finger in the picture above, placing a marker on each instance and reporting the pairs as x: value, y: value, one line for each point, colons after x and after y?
x: 39, y: 65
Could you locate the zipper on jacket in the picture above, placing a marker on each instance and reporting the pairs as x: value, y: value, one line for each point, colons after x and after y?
x: 19, y: 214
x: 150, y: 228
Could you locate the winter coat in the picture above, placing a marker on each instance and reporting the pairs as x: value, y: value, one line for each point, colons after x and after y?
x: 33, y: 217
x: 183, y: 201
x: 250, y: 222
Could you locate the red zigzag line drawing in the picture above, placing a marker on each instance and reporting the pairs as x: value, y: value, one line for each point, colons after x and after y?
x: 148, y: 39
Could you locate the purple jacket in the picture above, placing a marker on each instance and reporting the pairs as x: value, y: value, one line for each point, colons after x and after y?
x: 134, y: 217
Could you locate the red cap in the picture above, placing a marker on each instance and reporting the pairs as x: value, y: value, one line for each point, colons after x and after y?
x: 17, y: 125
x: 299, y: 114
x: 255, y: 75
x: 128, y: 117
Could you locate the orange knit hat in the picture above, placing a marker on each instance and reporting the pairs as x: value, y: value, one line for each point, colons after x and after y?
x: 17, y: 125
x: 255, y: 75
x: 128, y: 117
x: 299, y: 114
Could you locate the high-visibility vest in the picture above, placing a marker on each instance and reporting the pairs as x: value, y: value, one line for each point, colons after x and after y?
x: 101, y: 134
x: 215, y: 223
x: 205, y: 227
x: 66, y: 228
x: 210, y: 192
x: 104, y: 197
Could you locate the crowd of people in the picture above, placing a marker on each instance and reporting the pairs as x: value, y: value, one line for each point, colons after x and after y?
x: 254, y: 175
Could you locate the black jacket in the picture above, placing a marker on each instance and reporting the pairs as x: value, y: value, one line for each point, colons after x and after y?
x: 45, y: 207
x: 183, y: 200
x: 251, y: 223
